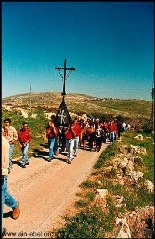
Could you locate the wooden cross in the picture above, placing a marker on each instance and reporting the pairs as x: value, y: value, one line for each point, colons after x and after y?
x: 64, y: 78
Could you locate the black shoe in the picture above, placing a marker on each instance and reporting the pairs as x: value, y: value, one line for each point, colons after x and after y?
x: 69, y: 162
x: 27, y: 163
x: 23, y: 166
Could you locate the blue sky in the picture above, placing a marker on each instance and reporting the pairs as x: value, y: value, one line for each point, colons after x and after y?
x: 110, y: 44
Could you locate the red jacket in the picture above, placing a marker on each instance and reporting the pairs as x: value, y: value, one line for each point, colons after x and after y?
x: 69, y: 134
x: 77, y: 129
x: 52, y: 133
x: 24, y: 136
x: 112, y: 128
x: 106, y: 126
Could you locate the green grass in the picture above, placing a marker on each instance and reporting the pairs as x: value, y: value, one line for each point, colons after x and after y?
x: 90, y: 196
x: 87, y: 184
x: 91, y: 223
x: 81, y: 203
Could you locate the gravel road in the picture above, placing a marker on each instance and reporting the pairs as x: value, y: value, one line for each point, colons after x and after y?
x: 44, y: 191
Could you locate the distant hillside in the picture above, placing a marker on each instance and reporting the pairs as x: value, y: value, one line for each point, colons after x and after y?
x: 81, y: 104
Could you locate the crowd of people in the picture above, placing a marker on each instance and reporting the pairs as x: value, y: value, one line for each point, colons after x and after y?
x: 87, y: 134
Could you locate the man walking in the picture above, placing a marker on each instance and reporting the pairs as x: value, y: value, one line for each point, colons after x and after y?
x: 51, y: 134
x: 70, y: 136
x: 11, y: 135
x: 78, y: 136
x: 24, y: 137
x: 6, y: 197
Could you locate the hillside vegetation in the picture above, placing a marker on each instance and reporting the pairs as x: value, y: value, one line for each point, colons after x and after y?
x: 81, y: 104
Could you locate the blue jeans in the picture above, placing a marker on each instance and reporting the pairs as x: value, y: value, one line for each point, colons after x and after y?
x: 25, y: 154
x: 7, y: 199
x: 70, y: 145
x: 76, y: 143
x: 51, y: 142
x: 112, y: 137
x: 56, y: 145
x: 10, y: 155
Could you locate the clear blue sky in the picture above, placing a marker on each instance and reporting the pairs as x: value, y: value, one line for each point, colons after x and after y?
x: 111, y: 45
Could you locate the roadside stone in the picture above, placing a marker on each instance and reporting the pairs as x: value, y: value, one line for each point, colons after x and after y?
x: 102, y: 193
x: 139, y: 137
x: 149, y: 185
x: 124, y: 230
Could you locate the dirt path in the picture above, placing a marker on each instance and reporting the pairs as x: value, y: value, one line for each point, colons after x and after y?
x: 44, y: 191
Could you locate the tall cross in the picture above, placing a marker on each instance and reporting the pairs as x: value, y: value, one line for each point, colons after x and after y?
x: 64, y: 78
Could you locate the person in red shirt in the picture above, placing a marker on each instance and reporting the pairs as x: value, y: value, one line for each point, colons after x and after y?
x: 78, y: 136
x: 112, y: 130
x: 70, y: 136
x: 106, y: 131
x: 51, y: 134
x: 24, y: 138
